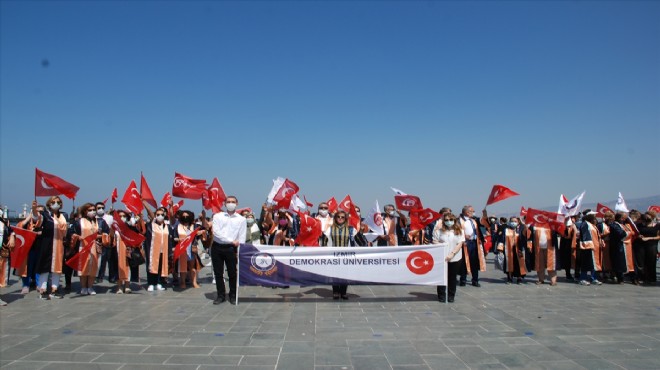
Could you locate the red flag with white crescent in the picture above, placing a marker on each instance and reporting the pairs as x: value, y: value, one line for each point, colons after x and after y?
x: 523, y: 212
x: 186, y: 187
x: 114, y: 196
x: 46, y: 184
x: 285, y: 193
x: 146, y: 193
x: 310, y: 231
x: 655, y: 209
x: 183, y: 244
x: 131, y: 238
x: 498, y: 193
x: 167, y: 198
x: 23, y: 242
x: 408, y: 202
x: 554, y: 220
x: 332, y: 205
x: 132, y: 199
x: 215, y: 196
x: 601, y: 209
x: 78, y: 259
x: 176, y: 206
x: 347, y: 206
x: 420, y: 218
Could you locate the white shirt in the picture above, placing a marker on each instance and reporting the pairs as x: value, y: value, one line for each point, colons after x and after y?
x: 543, y: 237
x: 468, y: 227
x: 228, y: 228
x: 450, y: 240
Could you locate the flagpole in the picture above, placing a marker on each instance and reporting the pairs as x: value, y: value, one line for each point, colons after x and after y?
x: 238, y: 271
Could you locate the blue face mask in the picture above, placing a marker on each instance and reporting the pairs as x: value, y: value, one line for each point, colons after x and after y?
x: 513, y: 225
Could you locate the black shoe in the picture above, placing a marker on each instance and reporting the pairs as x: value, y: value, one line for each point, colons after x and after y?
x: 219, y: 300
x: 344, y: 297
x: 285, y: 287
x: 476, y: 284
x: 441, y: 299
x: 232, y: 300
x: 462, y: 283
x: 112, y: 281
x: 56, y: 295
x: 335, y: 296
x: 450, y: 300
x: 44, y: 296
x: 98, y: 280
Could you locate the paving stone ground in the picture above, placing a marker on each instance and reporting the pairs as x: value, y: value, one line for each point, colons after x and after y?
x: 496, y: 326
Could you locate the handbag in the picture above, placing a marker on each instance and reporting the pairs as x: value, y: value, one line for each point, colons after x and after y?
x: 499, y: 261
x: 136, y: 258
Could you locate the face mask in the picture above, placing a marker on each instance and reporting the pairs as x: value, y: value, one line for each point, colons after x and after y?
x: 513, y: 224
x: 160, y: 218
x: 283, y: 222
x: 569, y: 222
x: 132, y: 221
x: 123, y: 219
x: 492, y: 220
x: 323, y: 212
x: 100, y: 211
x: 250, y: 221
x: 391, y: 213
x: 186, y: 220
x: 55, y: 206
x: 91, y: 214
x: 231, y: 207
x: 449, y: 223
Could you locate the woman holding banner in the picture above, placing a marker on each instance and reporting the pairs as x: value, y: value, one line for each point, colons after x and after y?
x: 340, y: 234
x: 450, y: 234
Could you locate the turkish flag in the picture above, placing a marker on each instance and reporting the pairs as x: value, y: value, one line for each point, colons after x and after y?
x: 655, y: 209
x: 499, y: 193
x: 419, y: 219
x: 77, y: 261
x: 601, y: 209
x: 310, y: 231
x: 167, y: 198
x: 554, y: 220
x: 130, y: 237
x: 523, y: 212
x: 146, y: 193
x: 186, y: 187
x: 347, y: 206
x: 216, y: 196
x: 332, y: 205
x: 408, y: 202
x: 46, y: 184
x: 24, y: 240
x: 183, y: 245
x: 309, y: 204
x: 114, y: 195
x: 177, y: 206
x: 132, y: 199
x: 285, y: 193
x: 241, y: 210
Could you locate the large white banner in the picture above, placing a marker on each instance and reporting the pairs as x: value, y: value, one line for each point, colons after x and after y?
x: 280, y: 266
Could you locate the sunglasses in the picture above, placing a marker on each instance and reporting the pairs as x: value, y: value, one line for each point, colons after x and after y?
x: 340, y: 217
x: 323, y: 207
x: 160, y: 214
x: 56, y: 202
x: 101, y: 208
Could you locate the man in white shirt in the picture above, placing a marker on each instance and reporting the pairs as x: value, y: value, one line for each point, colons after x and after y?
x: 229, y: 231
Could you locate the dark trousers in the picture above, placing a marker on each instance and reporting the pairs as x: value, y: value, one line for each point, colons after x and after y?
x: 649, y: 256
x: 153, y: 279
x: 452, y: 271
x: 473, y: 253
x: 339, y: 289
x: 109, y: 258
x: 224, y: 255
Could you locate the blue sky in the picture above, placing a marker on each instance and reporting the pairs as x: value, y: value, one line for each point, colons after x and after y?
x: 440, y: 99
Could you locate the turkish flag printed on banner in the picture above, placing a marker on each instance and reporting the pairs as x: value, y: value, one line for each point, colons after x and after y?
x: 46, y: 184
x: 132, y: 199
x: 146, y: 193
x: 215, y: 196
x: 310, y: 231
x: 422, y: 218
x: 332, y: 205
x: 183, y: 245
x: 601, y: 209
x: 77, y: 261
x: 24, y: 240
x: 176, y: 206
x: 523, y: 212
x: 499, y: 193
x: 554, y: 220
x: 408, y: 202
x: 655, y: 209
x: 167, y: 198
x: 186, y: 187
x: 131, y: 238
x: 114, y: 195
x: 347, y: 206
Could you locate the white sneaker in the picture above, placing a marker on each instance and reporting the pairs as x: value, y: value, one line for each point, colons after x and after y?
x: 150, y: 288
x: 159, y: 287
x: 128, y: 290
x: 91, y: 291
x: 584, y: 282
x: 119, y: 291
x: 213, y: 281
x: 83, y: 291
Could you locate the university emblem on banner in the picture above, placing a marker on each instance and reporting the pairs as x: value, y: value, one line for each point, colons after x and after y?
x: 420, y: 262
x: 263, y: 264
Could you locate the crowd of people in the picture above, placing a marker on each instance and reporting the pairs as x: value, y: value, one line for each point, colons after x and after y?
x: 590, y: 250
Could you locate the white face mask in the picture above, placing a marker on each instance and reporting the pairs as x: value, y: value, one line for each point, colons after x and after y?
x: 100, y: 211
x: 55, y: 206
x: 513, y: 224
x: 132, y: 221
x: 250, y: 221
x: 160, y: 219
x: 231, y: 207
x: 123, y: 219
x: 323, y: 212
x: 391, y: 213
x: 91, y: 214
x: 449, y: 223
